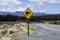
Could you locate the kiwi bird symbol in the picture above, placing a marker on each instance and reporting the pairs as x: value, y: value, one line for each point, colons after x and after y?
x: 27, y: 13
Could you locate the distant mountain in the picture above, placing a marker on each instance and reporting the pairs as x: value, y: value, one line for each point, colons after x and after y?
x: 4, y: 13
x: 20, y: 13
x: 38, y: 14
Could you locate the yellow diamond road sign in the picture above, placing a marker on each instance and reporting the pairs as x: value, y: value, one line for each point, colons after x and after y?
x: 28, y: 13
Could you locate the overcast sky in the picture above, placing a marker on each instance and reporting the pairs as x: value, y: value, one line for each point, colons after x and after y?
x: 46, y: 6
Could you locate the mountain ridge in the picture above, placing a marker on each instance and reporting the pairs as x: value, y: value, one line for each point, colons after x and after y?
x: 20, y: 13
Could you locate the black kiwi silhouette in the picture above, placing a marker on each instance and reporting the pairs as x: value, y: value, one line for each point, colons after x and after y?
x: 27, y: 13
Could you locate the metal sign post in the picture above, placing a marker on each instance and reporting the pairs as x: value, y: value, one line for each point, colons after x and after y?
x: 28, y: 14
x: 28, y: 27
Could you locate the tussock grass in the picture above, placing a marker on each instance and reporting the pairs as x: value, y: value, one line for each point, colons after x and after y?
x: 14, y: 31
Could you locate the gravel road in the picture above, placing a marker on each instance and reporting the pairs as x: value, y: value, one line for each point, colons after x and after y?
x: 44, y: 32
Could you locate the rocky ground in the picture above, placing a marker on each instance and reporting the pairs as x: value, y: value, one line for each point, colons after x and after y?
x: 13, y: 31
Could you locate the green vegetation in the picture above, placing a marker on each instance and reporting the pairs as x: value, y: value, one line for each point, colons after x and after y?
x: 10, y: 17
